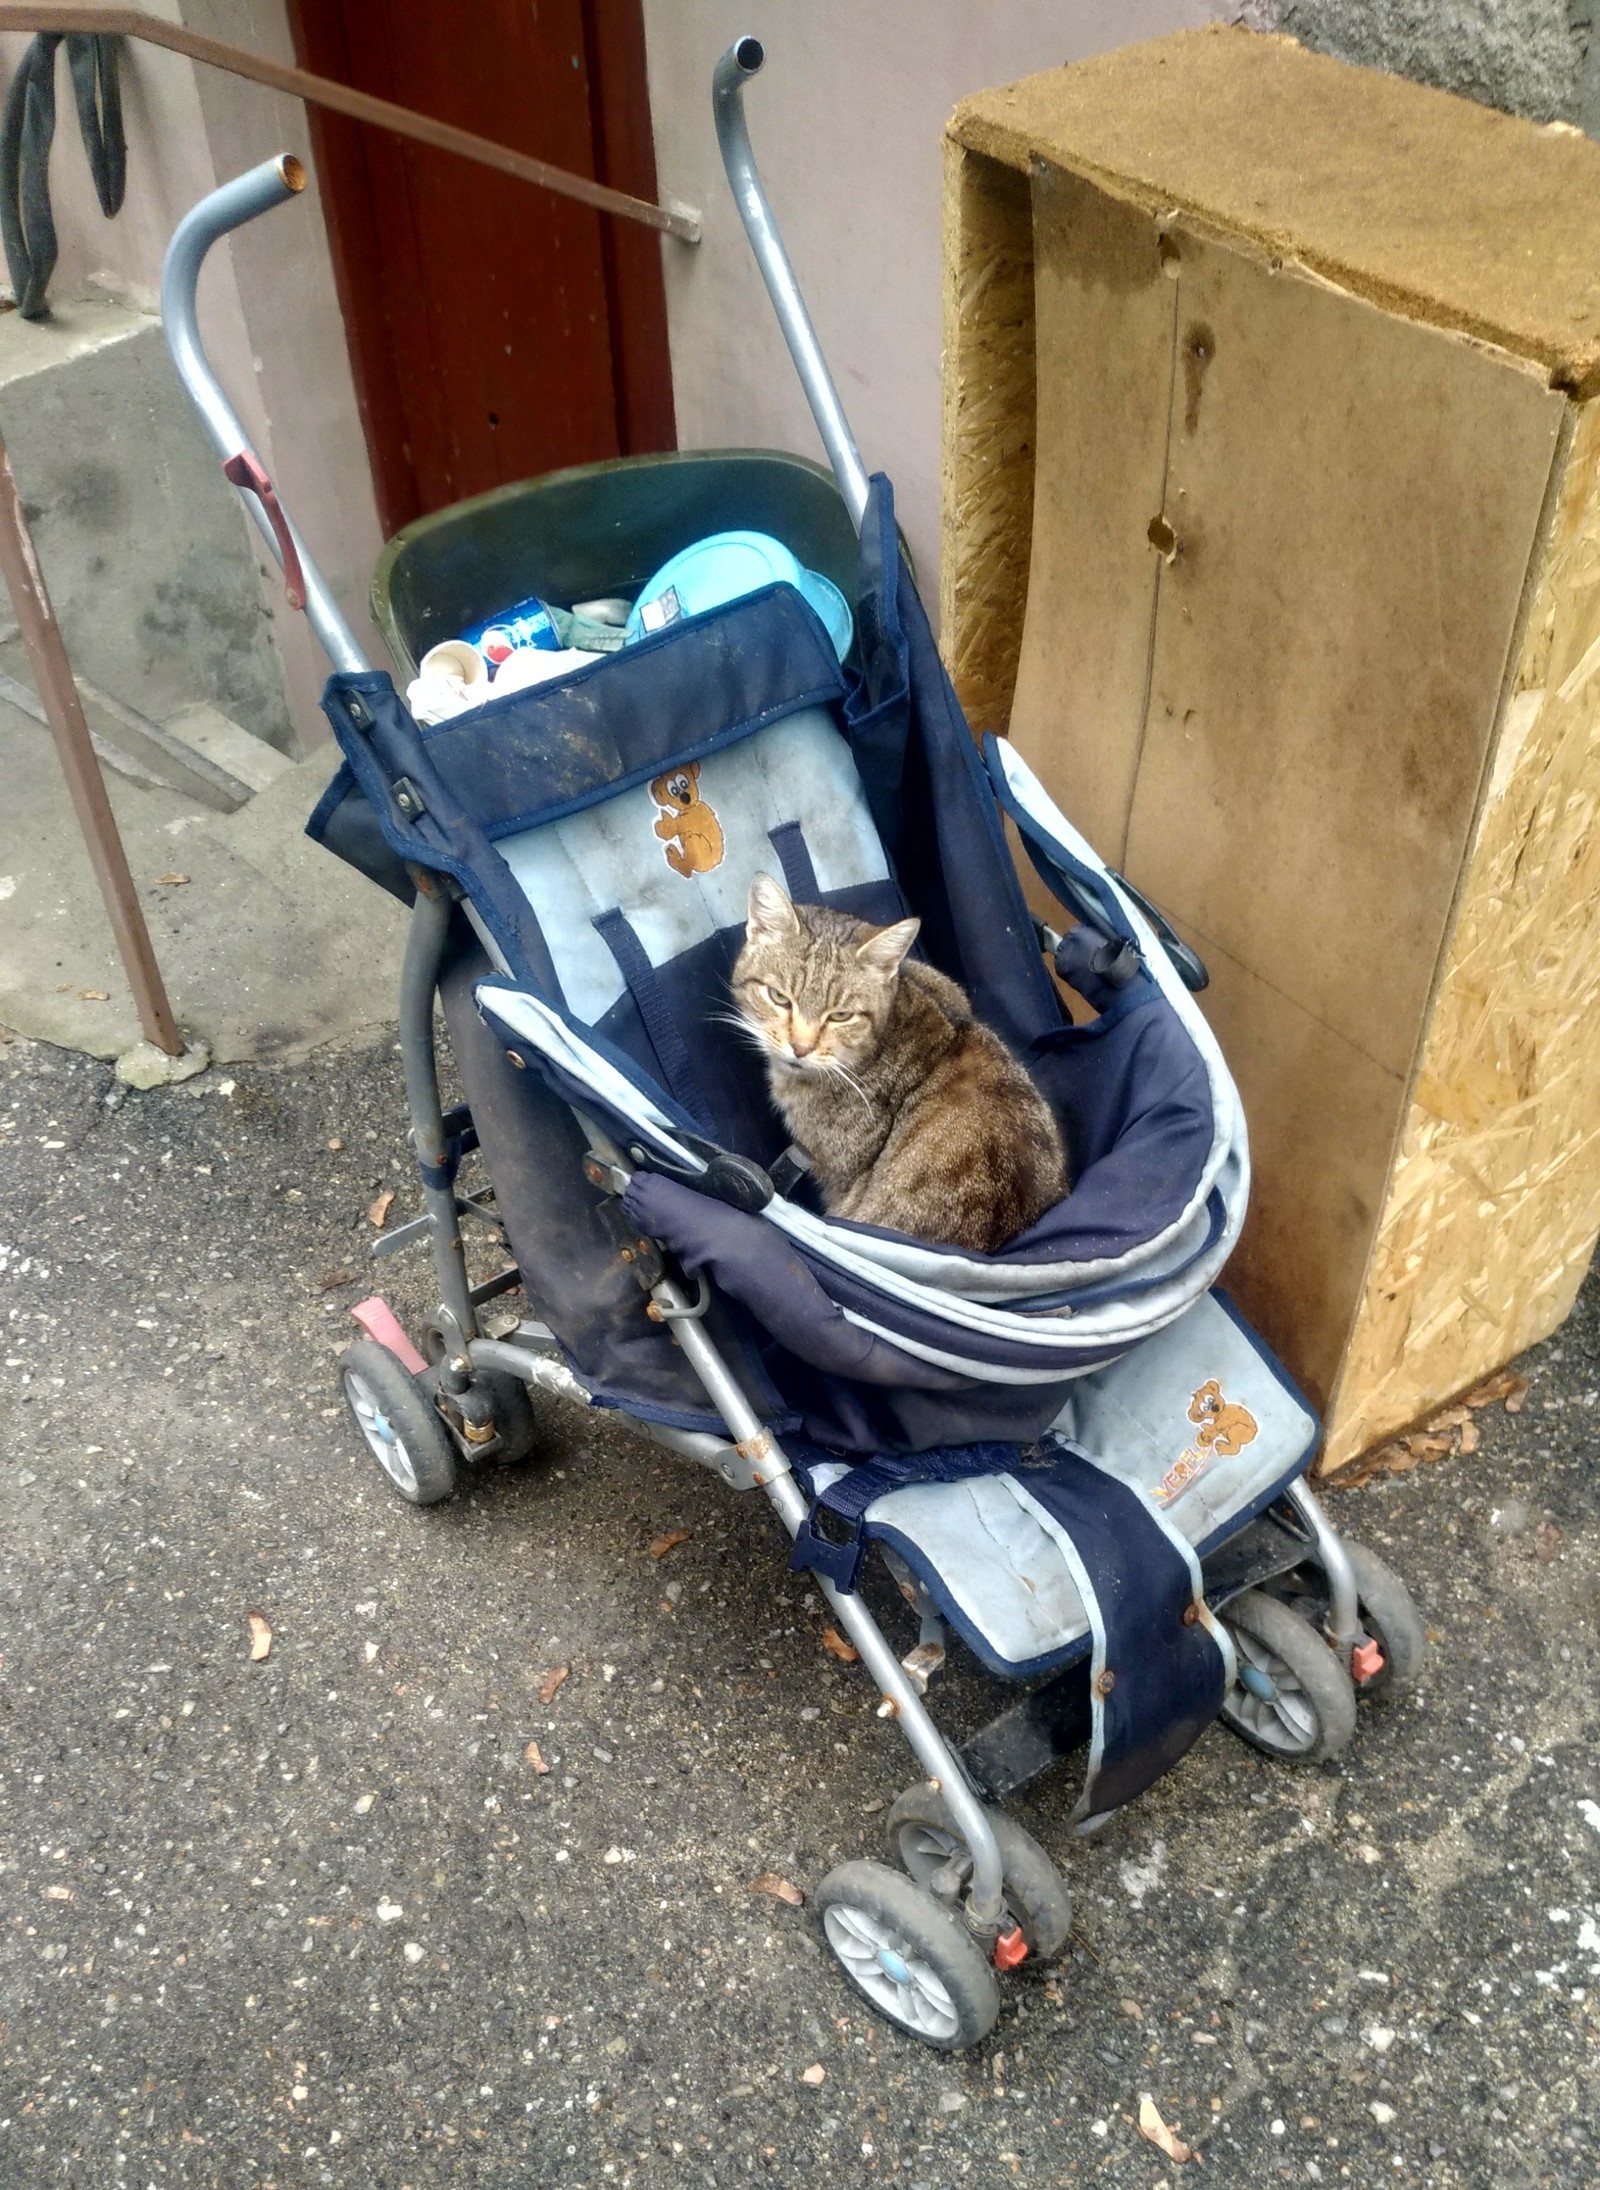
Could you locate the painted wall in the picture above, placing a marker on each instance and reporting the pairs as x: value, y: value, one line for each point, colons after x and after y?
x: 847, y: 119
x: 267, y: 301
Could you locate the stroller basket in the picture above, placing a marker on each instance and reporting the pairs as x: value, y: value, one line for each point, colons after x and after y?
x: 1071, y: 1451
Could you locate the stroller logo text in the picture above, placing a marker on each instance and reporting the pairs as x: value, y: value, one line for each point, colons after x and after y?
x: 690, y: 830
x: 1222, y: 1429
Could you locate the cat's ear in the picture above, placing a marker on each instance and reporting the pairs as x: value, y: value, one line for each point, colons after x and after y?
x: 771, y: 917
x: 883, y: 952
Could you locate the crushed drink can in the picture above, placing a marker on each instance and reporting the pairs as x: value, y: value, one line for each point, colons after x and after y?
x: 529, y: 623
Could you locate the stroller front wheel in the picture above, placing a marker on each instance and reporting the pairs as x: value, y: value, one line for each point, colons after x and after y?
x: 912, y: 1961
x: 923, y: 1834
x: 402, y: 1432
x: 1293, y: 1699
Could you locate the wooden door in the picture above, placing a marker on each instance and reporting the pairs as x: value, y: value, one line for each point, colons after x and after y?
x: 496, y: 331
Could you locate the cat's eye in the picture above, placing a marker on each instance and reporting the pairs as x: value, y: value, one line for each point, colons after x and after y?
x: 842, y: 1018
x: 777, y: 998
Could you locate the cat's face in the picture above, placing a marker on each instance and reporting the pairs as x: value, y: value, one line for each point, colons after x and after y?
x: 813, y: 985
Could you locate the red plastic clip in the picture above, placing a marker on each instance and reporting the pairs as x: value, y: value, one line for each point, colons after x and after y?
x: 1366, y: 1662
x: 379, y: 1321
x: 244, y: 471
x: 1010, y: 1948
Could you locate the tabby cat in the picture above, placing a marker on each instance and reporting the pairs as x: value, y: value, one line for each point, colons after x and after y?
x: 913, y: 1114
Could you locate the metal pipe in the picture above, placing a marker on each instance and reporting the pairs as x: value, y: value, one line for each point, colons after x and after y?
x: 419, y: 982
x: 933, y: 1752
x: 274, y: 182
x: 361, y: 106
x: 52, y: 673
x: 1344, y: 1610
x: 737, y: 65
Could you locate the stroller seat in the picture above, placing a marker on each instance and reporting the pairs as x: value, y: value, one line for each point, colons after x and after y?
x: 997, y: 1563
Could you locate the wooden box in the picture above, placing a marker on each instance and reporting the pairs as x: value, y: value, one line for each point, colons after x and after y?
x: 1272, y: 536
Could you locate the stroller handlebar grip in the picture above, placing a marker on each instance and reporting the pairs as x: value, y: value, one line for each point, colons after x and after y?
x: 737, y: 65
x: 225, y: 208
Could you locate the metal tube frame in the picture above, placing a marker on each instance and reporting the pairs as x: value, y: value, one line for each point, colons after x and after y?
x: 419, y: 985
x: 741, y: 61
x: 1344, y: 1612
x: 770, y: 1471
x: 249, y: 195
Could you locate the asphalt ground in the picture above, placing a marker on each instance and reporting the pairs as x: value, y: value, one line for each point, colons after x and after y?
x: 316, y: 1919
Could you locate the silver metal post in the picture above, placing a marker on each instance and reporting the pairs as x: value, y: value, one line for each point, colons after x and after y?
x: 229, y: 207
x: 984, y: 1906
x: 737, y: 65
x: 1344, y: 1612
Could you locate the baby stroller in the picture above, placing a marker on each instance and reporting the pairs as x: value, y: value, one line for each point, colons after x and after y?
x: 1073, y: 1452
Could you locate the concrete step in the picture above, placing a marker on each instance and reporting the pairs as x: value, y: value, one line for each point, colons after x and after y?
x: 197, y: 751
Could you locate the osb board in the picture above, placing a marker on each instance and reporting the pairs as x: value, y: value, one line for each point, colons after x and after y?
x: 1494, y: 1203
x: 1425, y: 203
x: 987, y: 487
x: 1104, y: 326
x: 1281, y: 726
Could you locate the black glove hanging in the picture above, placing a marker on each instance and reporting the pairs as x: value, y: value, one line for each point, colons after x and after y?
x: 27, y: 127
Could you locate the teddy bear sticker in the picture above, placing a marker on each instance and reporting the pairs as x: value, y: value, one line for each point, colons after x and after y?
x: 687, y: 826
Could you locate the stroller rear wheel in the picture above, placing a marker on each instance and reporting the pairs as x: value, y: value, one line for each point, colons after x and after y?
x: 402, y: 1431
x: 923, y: 1835
x: 1390, y: 1618
x: 912, y: 1961
x: 1293, y: 1699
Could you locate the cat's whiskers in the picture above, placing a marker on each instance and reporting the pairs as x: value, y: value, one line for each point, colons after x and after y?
x: 746, y: 1027
x: 837, y: 1069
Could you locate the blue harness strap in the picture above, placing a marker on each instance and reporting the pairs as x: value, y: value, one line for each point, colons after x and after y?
x: 789, y: 842
x: 832, y: 1539
x: 672, y: 1052
x: 1159, y: 1664
x: 1158, y: 1673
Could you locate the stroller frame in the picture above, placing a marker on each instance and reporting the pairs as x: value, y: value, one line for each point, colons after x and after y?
x: 1053, y: 1717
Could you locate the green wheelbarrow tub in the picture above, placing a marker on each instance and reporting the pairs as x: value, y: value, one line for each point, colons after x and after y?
x: 597, y: 529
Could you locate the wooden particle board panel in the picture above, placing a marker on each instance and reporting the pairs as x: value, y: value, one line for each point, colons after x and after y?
x: 1296, y: 608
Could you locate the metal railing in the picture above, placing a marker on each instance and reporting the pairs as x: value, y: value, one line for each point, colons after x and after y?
x: 19, y: 565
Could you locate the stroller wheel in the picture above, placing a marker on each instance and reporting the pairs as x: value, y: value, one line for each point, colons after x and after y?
x: 403, y: 1434
x: 923, y: 1835
x: 508, y: 1395
x: 1293, y: 1699
x: 1391, y: 1619
x: 908, y: 1956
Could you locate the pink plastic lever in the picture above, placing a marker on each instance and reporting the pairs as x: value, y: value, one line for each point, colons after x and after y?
x: 245, y: 471
x: 379, y: 1321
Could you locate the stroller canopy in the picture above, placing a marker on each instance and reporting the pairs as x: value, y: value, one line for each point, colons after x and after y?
x: 604, y: 829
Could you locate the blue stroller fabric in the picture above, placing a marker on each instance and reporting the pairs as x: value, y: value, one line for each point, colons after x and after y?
x: 1027, y: 1430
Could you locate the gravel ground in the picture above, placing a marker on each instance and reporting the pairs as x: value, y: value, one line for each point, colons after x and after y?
x: 317, y: 1920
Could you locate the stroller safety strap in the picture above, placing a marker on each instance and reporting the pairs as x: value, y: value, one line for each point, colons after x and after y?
x: 1159, y: 1662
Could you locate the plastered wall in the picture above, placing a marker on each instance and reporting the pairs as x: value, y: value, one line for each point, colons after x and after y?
x: 268, y: 307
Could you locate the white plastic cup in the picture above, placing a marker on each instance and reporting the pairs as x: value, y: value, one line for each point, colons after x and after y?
x: 454, y: 658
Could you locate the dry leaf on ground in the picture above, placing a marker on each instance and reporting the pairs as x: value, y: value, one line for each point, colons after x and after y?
x: 670, y: 1542
x: 779, y: 1888
x: 260, y: 1636
x: 330, y: 1278
x: 1451, y: 1419
x: 379, y: 1212
x: 95, y: 996
x: 1155, y: 2130
x: 1501, y: 1385
x: 170, y: 881
x: 1471, y: 1436
x: 551, y: 1682
x: 1517, y: 1397
x: 836, y: 1646
x: 1546, y: 1540
x: 535, y: 1757
x: 814, y: 2074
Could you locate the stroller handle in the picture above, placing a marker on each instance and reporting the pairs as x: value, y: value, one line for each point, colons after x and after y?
x: 741, y: 61
x: 274, y: 182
